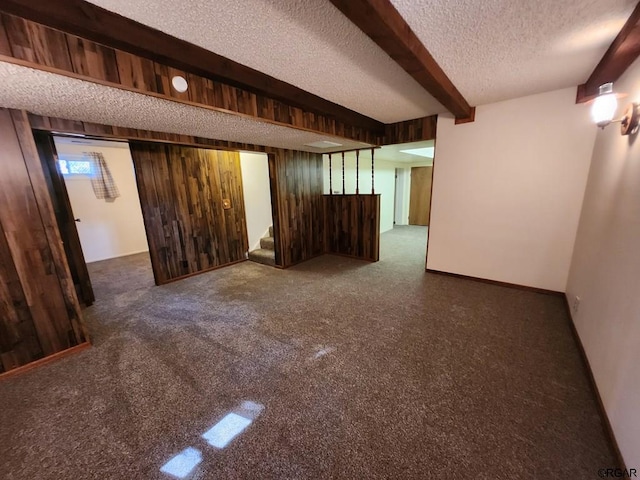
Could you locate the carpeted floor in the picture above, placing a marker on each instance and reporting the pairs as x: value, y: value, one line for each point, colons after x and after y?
x: 355, y: 370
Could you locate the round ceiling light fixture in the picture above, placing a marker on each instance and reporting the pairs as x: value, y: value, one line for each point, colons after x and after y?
x: 179, y: 84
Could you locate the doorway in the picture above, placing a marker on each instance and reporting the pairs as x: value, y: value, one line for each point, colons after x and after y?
x: 111, y: 236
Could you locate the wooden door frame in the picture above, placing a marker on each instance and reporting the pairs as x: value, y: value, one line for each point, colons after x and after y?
x: 433, y: 177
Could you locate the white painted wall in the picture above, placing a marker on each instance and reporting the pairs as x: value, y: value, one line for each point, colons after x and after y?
x: 385, y: 173
x: 508, y: 190
x: 257, y: 195
x: 605, y: 274
x: 403, y: 190
x: 108, y: 229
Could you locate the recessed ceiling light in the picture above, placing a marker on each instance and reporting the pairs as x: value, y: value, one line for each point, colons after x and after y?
x: 323, y: 144
x: 179, y: 83
x: 420, y: 152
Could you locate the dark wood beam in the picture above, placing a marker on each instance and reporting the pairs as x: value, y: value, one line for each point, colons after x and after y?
x: 621, y: 54
x: 91, y: 22
x: 384, y: 25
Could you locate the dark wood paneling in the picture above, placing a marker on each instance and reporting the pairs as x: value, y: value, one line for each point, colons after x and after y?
x: 93, y: 60
x: 47, y: 215
x: 42, y: 47
x: 181, y: 192
x: 19, y: 343
x: 619, y: 56
x: 94, y: 23
x: 32, y: 255
x: 352, y: 225
x: 297, y: 181
x: 411, y: 130
x: 380, y: 20
x: 36, y: 43
x: 5, y: 46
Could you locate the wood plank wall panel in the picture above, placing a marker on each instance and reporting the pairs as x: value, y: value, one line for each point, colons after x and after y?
x: 19, y: 343
x: 352, y: 225
x: 411, y: 130
x: 32, y: 255
x: 38, y: 46
x: 181, y: 192
x: 289, y: 239
x: 297, y: 178
x: 49, y: 220
x: 5, y: 47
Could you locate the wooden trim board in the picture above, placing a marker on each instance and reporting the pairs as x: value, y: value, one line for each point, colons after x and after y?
x: 43, y: 361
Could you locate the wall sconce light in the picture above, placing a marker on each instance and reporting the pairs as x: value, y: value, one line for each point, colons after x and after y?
x: 604, y: 108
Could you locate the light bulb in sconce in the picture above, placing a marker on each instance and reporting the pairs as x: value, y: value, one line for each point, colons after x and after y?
x: 605, y: 105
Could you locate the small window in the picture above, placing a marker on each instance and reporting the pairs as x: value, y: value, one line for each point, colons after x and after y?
x: 74, y: 167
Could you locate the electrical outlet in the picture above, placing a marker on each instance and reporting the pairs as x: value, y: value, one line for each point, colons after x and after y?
x: 576, y: 304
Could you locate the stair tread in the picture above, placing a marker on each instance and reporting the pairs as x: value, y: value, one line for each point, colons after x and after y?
x: 267, y: 243
x: 262, y: 255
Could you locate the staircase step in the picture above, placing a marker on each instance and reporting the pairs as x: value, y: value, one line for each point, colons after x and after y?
x: 271, y: 231
x: 267, y: 243
x: 261, y: 255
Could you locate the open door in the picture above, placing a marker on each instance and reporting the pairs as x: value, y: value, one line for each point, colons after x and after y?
x: 64, y: 217
x: 420, y: 195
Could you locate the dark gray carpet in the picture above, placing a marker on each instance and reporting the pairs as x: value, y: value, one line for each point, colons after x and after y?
x: 363, y: 371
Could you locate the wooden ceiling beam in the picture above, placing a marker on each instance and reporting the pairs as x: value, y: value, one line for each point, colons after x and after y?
x: 89, y: 21
x: 621, y: 54
x: 380, y: 20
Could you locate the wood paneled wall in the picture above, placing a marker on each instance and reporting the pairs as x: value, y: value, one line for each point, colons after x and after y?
x: 28, y: 43
x: 352, y: 225
x: 416, y: 130
x: 39, y: 311
x: 296, y: 194
x: 182, y: 193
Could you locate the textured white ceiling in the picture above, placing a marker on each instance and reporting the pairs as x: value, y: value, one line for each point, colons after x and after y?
x: 500, y: 49
x: 491, y: 49
x: 59, y: 96
x: 307, y: 43
x: 393, y: 153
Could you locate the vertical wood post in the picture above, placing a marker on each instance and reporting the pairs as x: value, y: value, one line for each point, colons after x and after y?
x: 357, y: 172
x: 373, y: 190
x: 343, y: 189
x: 330, y: 177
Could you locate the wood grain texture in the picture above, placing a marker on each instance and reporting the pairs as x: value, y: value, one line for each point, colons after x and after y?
x: 47, y: 215
x: 19, y: 343
x: 380, y: 20
x: 352, y: 226
x: 420, y: 196
x: 622, y: 52
x: 181, y: 192
x: 408, y: 131
x: 38, y: 46
x: 32, y: 255
x: 297, y: 182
